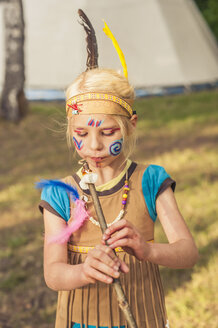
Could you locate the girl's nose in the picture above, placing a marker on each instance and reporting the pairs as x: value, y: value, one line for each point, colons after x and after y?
x: 96, y: 143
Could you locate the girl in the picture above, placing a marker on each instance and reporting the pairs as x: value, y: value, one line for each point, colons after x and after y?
x: 101, y: 125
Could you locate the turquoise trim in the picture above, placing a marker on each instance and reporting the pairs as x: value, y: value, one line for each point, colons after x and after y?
x: 152, y: 179
x: 58, y: 199
x: 77, y: 325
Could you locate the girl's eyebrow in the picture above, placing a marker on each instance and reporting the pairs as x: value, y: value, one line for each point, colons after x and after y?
x: 114, y: 129
x: 107, y: 129
x: 78, y: 130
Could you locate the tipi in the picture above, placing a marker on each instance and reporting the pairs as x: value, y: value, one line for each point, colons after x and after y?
x: 165, y: 42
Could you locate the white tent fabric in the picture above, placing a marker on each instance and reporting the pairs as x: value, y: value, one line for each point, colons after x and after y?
x: 165, y: 42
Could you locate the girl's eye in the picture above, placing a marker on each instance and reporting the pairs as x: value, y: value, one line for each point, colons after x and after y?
x: 81, y: 134
x: 107, y: 133
x: 110, y: 132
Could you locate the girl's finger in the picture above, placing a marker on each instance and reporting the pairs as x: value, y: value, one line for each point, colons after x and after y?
x: 105, y: 254
x: 125, y: 232
x: 115, y: 227
x: 105, y: 269
x: 125, y: 242
x: 97, y: 275
x: 124, y: 267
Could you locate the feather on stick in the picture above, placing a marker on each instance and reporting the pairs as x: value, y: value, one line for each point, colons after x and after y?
x: 92, y: 47
x: 79, y: 213
x: 121, y: 297
x: 57, y: 183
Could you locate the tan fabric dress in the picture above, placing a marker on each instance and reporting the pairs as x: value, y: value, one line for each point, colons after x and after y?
x: 96, y: 304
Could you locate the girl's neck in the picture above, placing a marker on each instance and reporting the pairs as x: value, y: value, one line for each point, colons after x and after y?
x: 109, y: 172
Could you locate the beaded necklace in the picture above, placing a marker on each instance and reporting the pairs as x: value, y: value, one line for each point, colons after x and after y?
x: 124, y: 201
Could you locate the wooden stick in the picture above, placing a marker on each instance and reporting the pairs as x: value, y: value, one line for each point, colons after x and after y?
x: 122, y: 300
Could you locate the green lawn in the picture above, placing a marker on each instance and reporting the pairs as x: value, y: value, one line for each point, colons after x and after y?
x: 180, y: 133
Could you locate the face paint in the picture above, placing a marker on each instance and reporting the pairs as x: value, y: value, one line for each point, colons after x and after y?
x: 115, y: 129
x: 94, y: 123
x: 111, y: 130
x: 78, y: 131
x: 75, y: 109
x: 78, y: 144
x: 99, y: 123
x: 116, y: 147
x: 91, y: 122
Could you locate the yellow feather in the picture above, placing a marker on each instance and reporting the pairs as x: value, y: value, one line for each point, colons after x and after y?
x: 108, y: 32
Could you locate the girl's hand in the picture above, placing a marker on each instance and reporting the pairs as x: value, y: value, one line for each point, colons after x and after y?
x: 127, y: 237
x: 102, y: 264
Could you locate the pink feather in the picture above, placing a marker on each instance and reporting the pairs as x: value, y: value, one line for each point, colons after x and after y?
x: 80, y: 215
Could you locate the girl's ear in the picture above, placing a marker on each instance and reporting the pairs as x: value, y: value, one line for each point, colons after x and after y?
x: 133, y: 120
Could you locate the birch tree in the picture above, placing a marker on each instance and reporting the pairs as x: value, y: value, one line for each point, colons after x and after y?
x: 13, y: 102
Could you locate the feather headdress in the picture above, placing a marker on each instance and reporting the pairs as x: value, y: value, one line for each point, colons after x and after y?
x: 79, y: 214
x: 92, y: 47
x: 108, y: 32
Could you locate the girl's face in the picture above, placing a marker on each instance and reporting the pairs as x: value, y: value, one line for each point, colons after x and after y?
x: 97, y: 138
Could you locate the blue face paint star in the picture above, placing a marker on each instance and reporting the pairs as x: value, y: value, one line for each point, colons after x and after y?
x: 116, y: 147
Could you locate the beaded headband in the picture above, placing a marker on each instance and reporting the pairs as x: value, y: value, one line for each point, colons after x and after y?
x: 73, y: 106
x: 102, y: 102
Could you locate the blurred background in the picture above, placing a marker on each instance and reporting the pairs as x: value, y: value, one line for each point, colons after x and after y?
x: 171, y: 52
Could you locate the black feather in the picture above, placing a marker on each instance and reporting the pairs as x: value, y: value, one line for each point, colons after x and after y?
x: 92, y: 46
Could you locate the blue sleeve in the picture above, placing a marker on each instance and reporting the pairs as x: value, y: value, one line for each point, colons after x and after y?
x: 58, y: 199
x: 152, y: 180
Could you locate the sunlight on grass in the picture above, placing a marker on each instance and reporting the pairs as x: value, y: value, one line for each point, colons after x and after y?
x: 179, y: 133
x: 47, y: 314
x: 196, y: 303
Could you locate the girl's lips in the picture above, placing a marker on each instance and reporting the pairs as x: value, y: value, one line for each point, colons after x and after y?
x: 97, y: 159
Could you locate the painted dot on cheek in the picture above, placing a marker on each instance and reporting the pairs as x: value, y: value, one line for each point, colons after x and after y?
x: 116, y: 147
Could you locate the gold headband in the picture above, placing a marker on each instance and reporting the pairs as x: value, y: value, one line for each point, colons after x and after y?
x: 123, y: 107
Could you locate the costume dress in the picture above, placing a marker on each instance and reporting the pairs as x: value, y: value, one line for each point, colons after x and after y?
x: 95, y: 305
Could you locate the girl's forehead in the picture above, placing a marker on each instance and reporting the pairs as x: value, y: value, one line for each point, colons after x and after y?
x: 85, y: 118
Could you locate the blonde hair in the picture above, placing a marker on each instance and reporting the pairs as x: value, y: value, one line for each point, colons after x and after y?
x: 108, y: 81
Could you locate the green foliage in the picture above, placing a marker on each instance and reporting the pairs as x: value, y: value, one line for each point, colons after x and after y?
x: 202, y: 4
x: 209, y: 9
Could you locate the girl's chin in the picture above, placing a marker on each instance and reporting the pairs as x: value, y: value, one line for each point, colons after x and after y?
x: 98, y: 161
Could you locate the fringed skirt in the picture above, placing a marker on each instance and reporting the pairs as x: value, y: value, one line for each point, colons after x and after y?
x: 96, y: 304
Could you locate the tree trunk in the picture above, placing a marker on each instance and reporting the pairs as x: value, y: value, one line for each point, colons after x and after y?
x: 13, y: 103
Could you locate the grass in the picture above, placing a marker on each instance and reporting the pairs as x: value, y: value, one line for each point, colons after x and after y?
x: 180, y: 133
